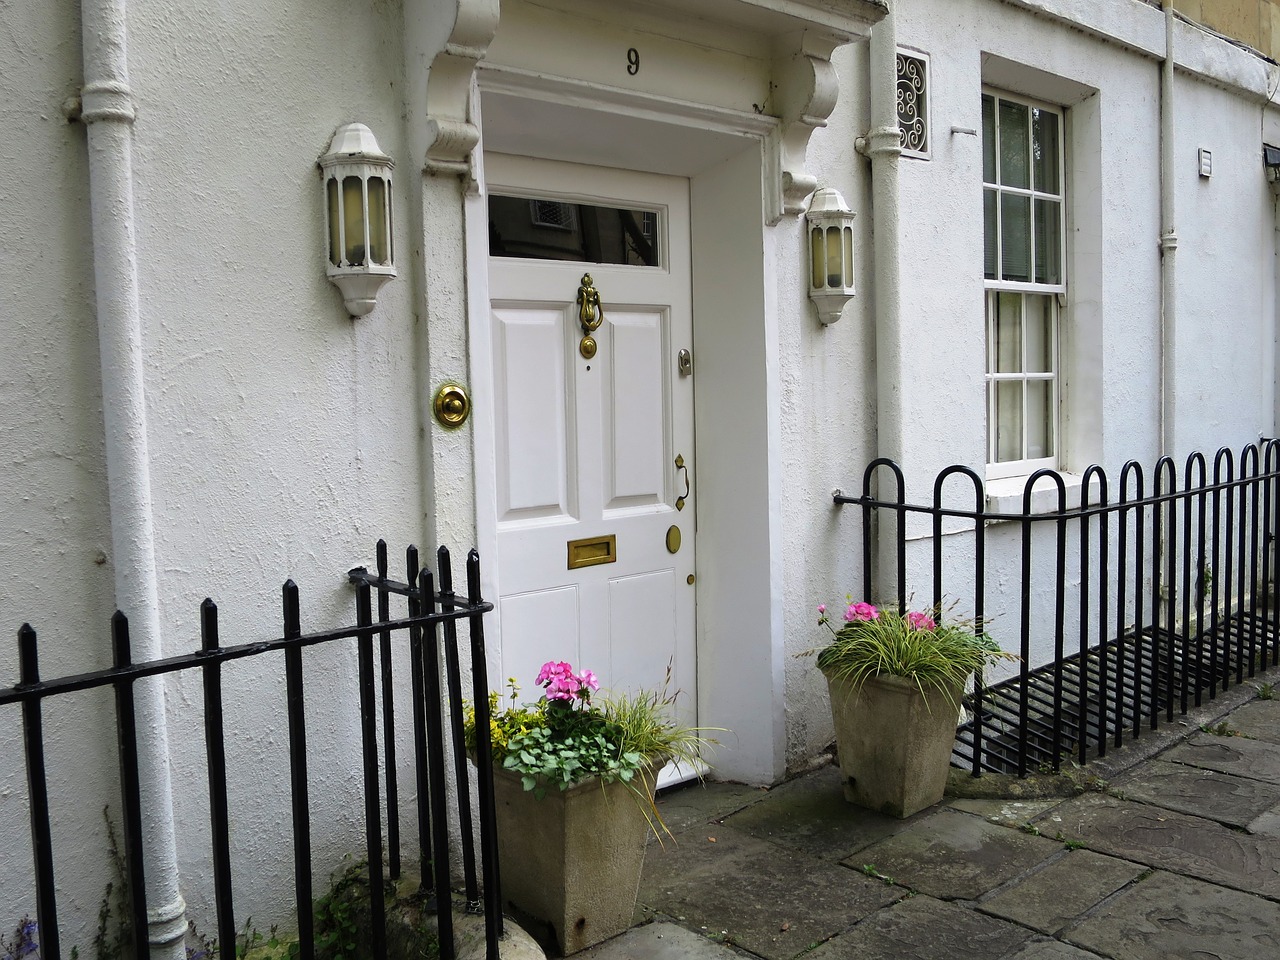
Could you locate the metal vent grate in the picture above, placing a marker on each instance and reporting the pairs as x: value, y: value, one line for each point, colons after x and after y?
x: 1075, y: 708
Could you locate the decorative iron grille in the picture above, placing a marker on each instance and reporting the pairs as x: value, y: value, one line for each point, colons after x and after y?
x: 913, y: 103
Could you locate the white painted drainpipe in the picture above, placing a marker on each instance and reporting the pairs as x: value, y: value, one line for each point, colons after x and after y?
x: 108, y: 113
x: 1168, y: 245
x: 883, y: 144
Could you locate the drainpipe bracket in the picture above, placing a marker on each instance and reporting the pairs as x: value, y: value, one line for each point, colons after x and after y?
x: 1168, y: 242
x: 167, y: 924
x: 107, y: 100
x: 880, y: 142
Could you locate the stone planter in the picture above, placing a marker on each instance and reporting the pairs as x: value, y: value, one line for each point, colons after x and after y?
x: 571, y: 860
x: 894, y: 743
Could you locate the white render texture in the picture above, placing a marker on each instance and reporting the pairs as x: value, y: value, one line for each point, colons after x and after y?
x: 285, y: 438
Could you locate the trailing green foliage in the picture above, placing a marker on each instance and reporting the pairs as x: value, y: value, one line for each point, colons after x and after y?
x: 566, y: 739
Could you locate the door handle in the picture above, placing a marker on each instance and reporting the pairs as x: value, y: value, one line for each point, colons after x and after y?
x: 680, y: 467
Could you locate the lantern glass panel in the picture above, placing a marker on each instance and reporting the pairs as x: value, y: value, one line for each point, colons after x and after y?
x: 353, y: 220
x: 848, y: 256
x: 335, y: 219
x: 378, y: 221
x: 834, y: 259
x: 817, y: 257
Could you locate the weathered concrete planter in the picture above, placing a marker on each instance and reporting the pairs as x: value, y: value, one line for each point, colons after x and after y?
x: 571, y: 860
x: 894, y: 743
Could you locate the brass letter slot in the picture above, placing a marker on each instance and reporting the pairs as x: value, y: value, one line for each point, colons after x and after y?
x: 593, y: 550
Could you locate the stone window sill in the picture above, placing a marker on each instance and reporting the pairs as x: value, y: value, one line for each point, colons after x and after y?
x: 1004, y: 496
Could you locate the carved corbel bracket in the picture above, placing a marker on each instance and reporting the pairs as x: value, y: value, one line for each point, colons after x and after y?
x: 451, y: 128
x: 805, y: 88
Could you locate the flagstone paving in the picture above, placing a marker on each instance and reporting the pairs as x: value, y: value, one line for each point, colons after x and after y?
x: 1065, y: 889
x: 1170, y: 841
x: 1177, y: 857
x: 795, y: 901
x: 1232, y: 800
x: 926, y: 929
x: 954, y: 855
x: 1168, y: 917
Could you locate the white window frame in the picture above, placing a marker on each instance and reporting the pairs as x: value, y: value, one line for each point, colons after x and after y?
x: 1056, y: 293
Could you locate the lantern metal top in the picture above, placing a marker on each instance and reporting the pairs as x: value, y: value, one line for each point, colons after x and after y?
x: 827, y: 202
x: 355, y: 143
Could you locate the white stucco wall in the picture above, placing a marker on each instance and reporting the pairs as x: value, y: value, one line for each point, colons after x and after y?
x: 54, y: 533
x: 285, y: 437
x: 1111, y: 327
x: 283, y: 434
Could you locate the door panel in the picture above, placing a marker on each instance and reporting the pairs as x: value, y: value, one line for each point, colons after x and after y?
x: 586, y: 447
x: 534, y: 414
x: 637, y: 441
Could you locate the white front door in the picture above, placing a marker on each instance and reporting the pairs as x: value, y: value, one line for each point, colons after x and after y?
x: 596, y: 476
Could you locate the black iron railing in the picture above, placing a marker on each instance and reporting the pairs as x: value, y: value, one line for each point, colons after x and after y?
x: 432, y: 630
x: 1169, y: 589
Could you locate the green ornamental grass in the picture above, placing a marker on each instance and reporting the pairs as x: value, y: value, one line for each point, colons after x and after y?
x: 932, y: 652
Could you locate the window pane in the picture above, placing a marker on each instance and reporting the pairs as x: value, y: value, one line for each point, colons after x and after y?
x: 988, y: 140
x: 1039, y: 333
x: 1048, y: 241
x: 1044, y: 150
x: 539, y: 229
x: 1008, y: 421
x: 1039, y: 419
x: 989, y: 233
x: 1015, y: 237
x: 1008, y: 329
x: 1014, y: 148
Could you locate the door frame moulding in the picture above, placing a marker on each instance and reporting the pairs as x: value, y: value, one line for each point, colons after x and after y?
x: 527, y: 84
x: 742, y: 691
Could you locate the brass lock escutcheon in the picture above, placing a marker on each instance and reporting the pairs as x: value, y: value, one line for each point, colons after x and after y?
x: 452, y: 406
x: 590, y: 315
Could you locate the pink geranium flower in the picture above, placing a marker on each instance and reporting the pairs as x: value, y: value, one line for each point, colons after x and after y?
x: 562, y: 688
x: 861, y: 611
x: 553, y: 670
x: 920, y: 621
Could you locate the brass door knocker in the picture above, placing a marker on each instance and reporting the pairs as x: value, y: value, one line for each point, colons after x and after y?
x: 590, y: 315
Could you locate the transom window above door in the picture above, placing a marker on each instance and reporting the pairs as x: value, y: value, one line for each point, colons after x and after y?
x: 1025, y: 279
x: 538, y: 228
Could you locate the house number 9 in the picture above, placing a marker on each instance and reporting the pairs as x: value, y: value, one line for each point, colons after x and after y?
x: 633, y: 61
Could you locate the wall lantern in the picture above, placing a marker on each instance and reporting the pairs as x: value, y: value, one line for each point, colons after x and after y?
x: 1271, y: 160
x: 830, y: 253
x: 357, y: 189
